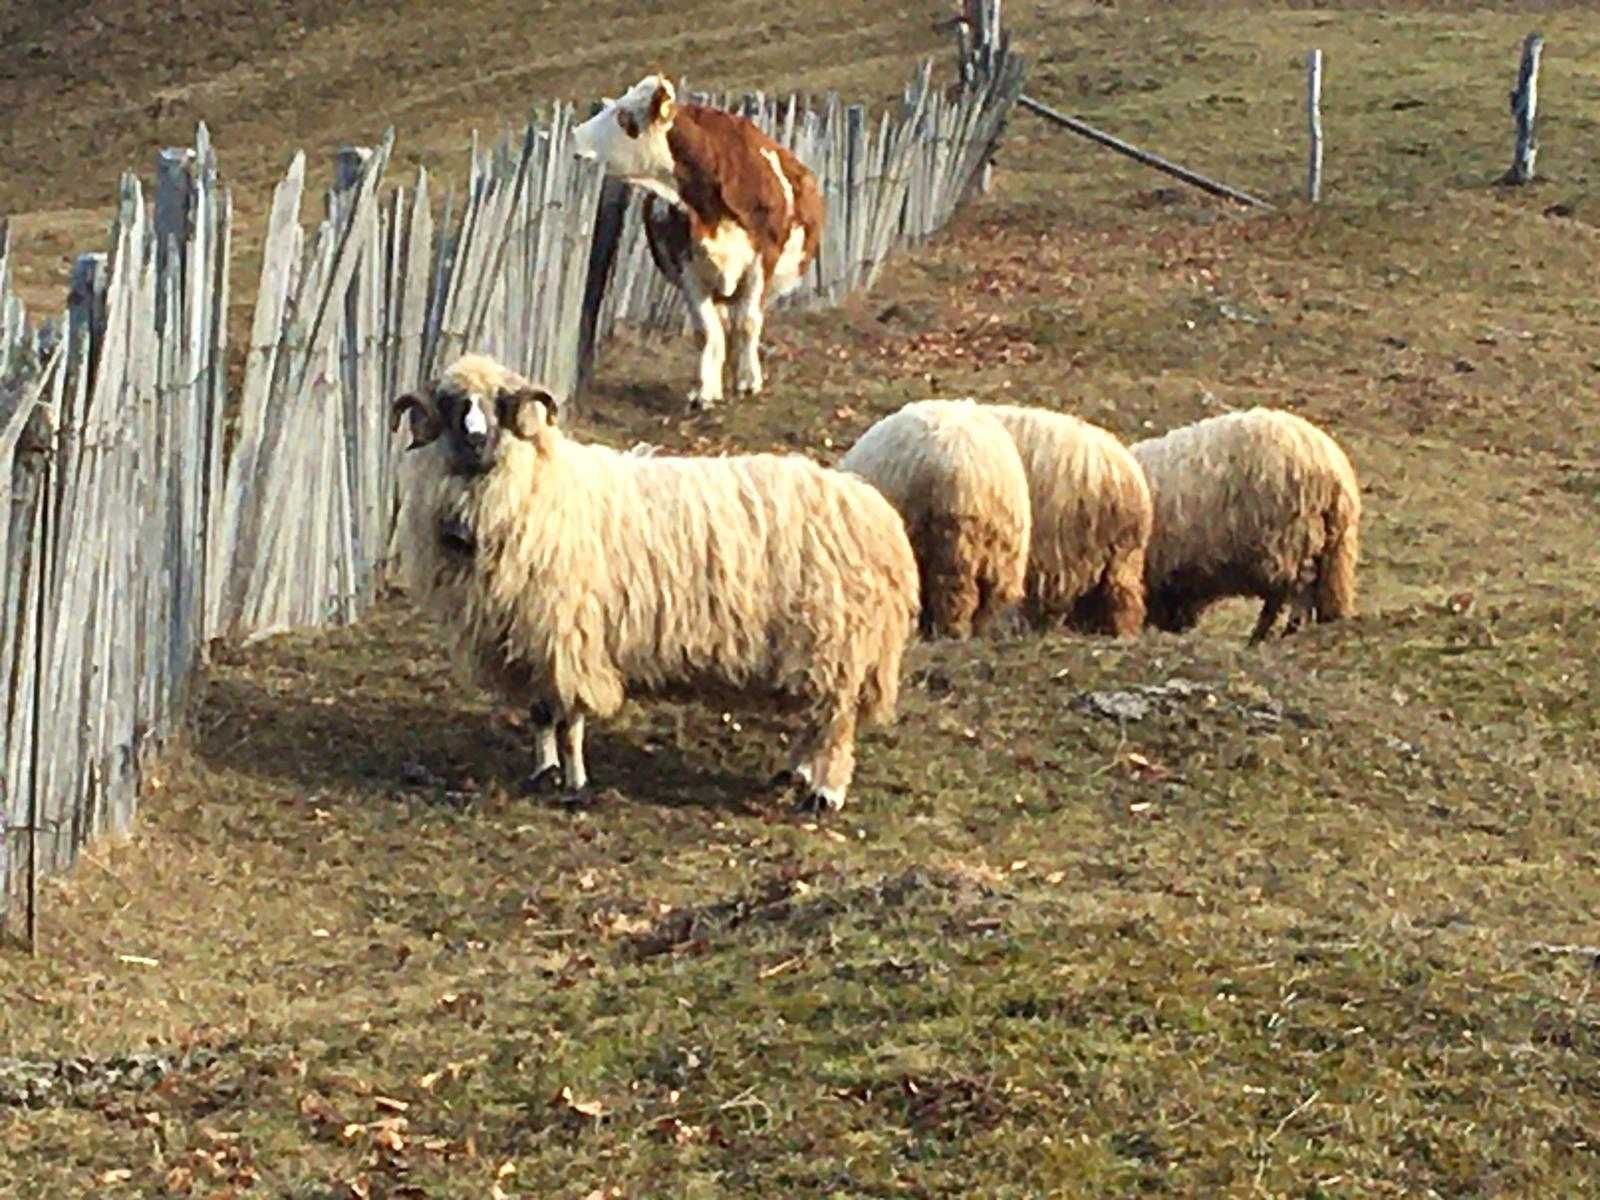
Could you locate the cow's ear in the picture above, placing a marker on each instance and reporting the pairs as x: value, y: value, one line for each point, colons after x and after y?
x: 664, y: 104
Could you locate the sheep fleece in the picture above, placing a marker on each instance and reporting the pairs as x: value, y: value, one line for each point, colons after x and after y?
x: 599, y: 573
x: 1091, y: 519
x: 1253, y: 502
x: 953, y: 474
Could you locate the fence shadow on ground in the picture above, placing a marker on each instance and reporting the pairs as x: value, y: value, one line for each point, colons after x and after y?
x: 374, y: 744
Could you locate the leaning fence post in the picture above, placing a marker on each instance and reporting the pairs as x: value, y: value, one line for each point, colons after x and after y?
x: 1524, y: 107
x: 607, y: 237
x: 44, y: 551
x: 1314, y: 125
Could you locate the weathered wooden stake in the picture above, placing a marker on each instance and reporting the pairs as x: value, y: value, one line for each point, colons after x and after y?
x: 1524, y: 109
x: 608, y: 224
x: 43, y: 549
x: 1084, y: 129
x: 1314, y: 124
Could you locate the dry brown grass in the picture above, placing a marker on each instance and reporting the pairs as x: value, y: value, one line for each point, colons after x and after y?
x: 1279, y: 937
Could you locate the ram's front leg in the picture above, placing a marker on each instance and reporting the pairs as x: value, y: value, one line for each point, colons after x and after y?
x: 574, y: 775
x: 546, y: 755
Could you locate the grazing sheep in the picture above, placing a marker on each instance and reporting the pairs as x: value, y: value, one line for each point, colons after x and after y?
x: 1091, y: 520
x: 1258, y: 503
x: 572, y: 575
x: 953, y: 474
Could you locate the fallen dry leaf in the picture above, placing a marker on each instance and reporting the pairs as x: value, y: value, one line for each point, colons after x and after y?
x: 1142, y: 769
x: 388, y: 1138
x: 315, y: 1107
x: 587, y: 1108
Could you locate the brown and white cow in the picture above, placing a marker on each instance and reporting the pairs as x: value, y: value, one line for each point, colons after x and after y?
x: 733, y: 218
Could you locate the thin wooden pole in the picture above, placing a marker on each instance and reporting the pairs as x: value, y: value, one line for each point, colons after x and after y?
x: 1084, y: 129
x: 607, y: 236
x: 42, y: 553
x: 1314, y: 125
x: 1524, y: 110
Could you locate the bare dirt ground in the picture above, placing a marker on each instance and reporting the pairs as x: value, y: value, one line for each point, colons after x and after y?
x: 1305, y: 928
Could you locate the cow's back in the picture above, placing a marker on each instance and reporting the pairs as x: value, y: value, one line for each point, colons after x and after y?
x: 728, y: 169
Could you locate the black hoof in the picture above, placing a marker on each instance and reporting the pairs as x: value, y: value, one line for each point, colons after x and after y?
x: 416, y: 775
x: 576, y: 798
x: 816, y: 803
x: 540, y: 781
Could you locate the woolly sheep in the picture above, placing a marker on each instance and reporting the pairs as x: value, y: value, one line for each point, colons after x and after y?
x: 572, y: 575
x: 1257, y: 503
x: 953, y: 474
x: 1091, y: 520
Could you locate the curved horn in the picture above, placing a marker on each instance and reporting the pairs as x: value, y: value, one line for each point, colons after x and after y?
x: 425, y: 423
x: 525, y: 411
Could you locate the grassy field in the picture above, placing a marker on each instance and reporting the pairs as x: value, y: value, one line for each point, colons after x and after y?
x: 1305, y: 929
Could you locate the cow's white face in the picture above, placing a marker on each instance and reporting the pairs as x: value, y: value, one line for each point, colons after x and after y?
x: 628, y: 136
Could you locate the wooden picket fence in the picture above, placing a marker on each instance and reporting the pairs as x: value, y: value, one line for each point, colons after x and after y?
x: 151, y: 512
x: 112, y: 458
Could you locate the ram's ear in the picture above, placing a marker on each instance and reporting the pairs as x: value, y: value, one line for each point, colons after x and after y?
x: 425, y: 423
x: 527, y: 410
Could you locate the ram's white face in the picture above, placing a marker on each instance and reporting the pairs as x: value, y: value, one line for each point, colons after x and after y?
x: 628, y: 136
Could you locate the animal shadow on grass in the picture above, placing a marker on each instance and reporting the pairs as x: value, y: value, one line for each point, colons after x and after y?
x: 384, y: 744
x: 656, y: 399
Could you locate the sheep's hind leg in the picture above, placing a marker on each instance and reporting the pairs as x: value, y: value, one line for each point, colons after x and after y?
x: 546, y: 757
x: 574, y: 775
x: 1300, y: 609
x: 1270, y: 608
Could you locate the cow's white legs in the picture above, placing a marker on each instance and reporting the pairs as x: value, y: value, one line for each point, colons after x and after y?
x: 574, y: 775
x: 745, y: 315
x: 707, y: 315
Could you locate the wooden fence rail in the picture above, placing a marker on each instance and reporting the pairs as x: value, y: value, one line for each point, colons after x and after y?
x: 149, y: 512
